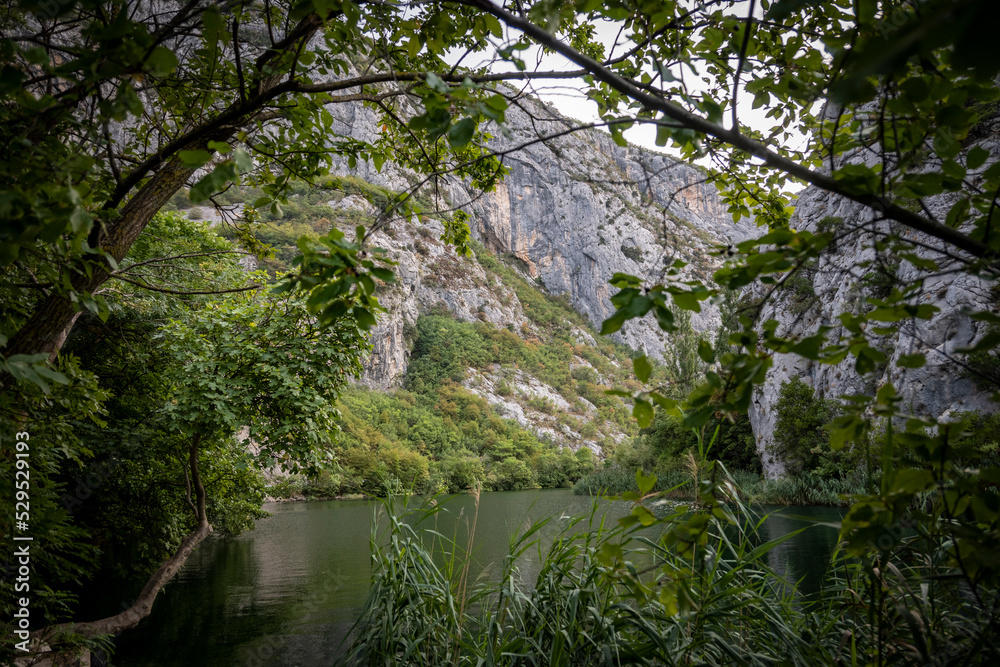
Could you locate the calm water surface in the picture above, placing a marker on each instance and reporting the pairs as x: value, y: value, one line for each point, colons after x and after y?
x: 287, y: 593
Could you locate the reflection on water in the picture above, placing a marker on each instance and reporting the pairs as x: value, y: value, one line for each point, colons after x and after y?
x: 287, y: 593
x: 802, y: 559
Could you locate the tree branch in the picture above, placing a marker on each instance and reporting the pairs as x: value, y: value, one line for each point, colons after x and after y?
x: 143, y: 605
x: 164, y: 290
x: 734, y: 138
x: 157, y: 260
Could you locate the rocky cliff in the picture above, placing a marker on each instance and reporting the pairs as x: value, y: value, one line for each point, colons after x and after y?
x: 842, y: 281
x: 573, y: 211
x: 578, y: 208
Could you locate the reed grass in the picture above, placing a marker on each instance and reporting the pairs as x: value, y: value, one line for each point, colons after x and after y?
x: 806, y: 489
x: 702, y: 592
x: 584, y: 607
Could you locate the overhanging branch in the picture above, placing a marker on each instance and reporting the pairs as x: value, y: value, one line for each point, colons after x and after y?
x: 143, y: 605
x: 733, y: 137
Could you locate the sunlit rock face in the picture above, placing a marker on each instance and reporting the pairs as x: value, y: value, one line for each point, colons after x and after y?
x: 837, y: 284
x: 573, y: 211
x: 578, y: 209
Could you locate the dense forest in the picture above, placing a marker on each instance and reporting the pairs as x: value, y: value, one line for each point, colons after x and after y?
x: 260, y: 251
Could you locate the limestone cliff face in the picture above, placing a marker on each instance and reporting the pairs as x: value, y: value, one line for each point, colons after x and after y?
x: 431, y: 276
x: 574, y: 211
x: 837, y: 284
x: 578, y: 209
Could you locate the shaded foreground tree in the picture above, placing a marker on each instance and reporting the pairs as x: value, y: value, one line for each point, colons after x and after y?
x: 110, y: 108
x: 246, y: 362
x: 137, y: 455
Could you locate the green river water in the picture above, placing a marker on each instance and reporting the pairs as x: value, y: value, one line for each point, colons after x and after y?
x: 287, y: 593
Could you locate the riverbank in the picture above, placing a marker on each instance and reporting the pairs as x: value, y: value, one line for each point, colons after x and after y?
x: 288, y: 592
x: 805, y: 489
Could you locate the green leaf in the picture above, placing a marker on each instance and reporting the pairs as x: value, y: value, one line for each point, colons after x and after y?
x: 385, y: 275
x: 915, y: 89
x: 910, y: 480
x: 644, y: 482
x: 643, y: 412
x: 613, y: 323
x: 161, y: 62
x: 857, y: 178
x: 460, y: 134
x: 50, y: 374
x: 809, y: 347
x: 987, y: 342
x: 243, y: 160
x: 668, y: 404
x: 957, y: 213
x: 687, y: 301
x: 865, y: 10
x: 219, y: 147
x: 642, y: 368
x: 846, y: 429
x: 662, y: 135
x: 911, y: 361
x: 977, y: 157
x: 706, y: 352
x: 194, y: 159
x: 436, y: 83
x: 364, y: 318
x: 664, y: 318
x: 643, y: 515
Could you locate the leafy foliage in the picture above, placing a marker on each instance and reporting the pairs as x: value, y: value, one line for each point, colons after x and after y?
x: 156, y: 383
x: 53, y: 420
x: 801, y: 441
x: 917, y: 95
x: 132, y: 493
x: 264, y: 364
x: 436, y: 435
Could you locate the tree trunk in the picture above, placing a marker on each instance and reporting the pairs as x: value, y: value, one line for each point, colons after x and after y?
x: 143, y: 605
x: 50, y: 323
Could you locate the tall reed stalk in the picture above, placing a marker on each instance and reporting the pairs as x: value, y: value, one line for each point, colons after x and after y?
x: 692, y: 587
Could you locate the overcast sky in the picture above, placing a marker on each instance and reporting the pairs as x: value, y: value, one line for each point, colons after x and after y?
x: 567, y: 98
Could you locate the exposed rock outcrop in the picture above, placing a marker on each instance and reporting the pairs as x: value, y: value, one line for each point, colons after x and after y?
x: 574, y: 211
x: 429, y: 274
x: 839, y: 283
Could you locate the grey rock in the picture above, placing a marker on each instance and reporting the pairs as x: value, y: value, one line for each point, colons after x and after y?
x: 936, y: 390
x: 577, y: 209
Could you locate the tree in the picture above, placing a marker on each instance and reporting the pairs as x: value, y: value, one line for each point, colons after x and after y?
x: 248, y: 361
x: 110, y: 107
x: 800, y: 437
x: 139, y: 449
x: 685, y: 368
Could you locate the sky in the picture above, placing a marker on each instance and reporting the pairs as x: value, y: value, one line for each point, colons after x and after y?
x: 571, y: 102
